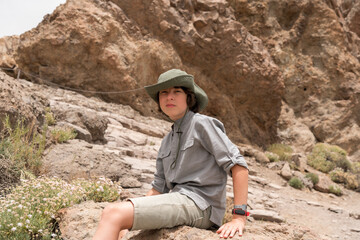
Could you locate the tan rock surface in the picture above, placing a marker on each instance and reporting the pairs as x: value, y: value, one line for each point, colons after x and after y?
x: 274, y: 70
x: 243, y: 57
x: 19, y: 104
x: 119, y: 45
x: 312, y: 46
x: 129, y: 155
x: 8, y: 48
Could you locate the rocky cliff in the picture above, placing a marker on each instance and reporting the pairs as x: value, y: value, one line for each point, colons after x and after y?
x: 117, y: 142
x: 274, y: 70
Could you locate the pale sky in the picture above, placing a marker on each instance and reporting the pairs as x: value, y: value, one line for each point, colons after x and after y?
x: 19, y: 16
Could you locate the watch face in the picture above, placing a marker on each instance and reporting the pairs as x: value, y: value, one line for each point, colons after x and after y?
x: 239, y: 212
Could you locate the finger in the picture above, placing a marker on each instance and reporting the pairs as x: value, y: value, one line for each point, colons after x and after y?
x: 240, y: 232
x: 233, y: 231
x: 227, y: 233
x: 220, y: 229
x: 222, y: 234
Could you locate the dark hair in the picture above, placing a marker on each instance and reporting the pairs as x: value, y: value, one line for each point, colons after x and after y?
x: 190, y: 100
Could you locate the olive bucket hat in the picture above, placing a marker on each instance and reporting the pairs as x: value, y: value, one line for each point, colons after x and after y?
x: 177, y: 78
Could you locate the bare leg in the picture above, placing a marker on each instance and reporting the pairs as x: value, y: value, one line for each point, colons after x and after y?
x: 115, y: 217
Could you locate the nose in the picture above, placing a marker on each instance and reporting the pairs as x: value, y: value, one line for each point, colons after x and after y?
x: 170, y: 96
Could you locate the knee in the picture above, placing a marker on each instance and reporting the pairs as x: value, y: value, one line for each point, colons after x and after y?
x: 117, y: 213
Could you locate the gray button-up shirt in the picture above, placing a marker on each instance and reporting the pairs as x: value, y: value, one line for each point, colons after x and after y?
x: 204, y: 157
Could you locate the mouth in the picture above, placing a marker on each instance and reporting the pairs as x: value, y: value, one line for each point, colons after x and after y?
x: 170, y: 105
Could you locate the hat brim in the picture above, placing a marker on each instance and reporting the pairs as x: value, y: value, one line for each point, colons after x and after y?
x: 179, y: 81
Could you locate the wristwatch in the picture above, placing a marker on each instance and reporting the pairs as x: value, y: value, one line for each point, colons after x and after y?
x: 240, y: 210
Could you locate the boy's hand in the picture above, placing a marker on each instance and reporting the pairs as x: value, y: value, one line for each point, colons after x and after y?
x: 229, y: 229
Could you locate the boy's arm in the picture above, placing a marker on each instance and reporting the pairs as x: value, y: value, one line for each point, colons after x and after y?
x: 240, y: 186
x: 152, y: 192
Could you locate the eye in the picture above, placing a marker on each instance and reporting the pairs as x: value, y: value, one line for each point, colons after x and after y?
x: 163, y: 92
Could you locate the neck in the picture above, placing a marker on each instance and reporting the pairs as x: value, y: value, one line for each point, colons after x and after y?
x: 174, y: 119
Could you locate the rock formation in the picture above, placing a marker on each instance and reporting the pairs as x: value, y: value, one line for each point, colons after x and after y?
x: 128, y: 156
x: 258, y: 61
x: 275, y: 71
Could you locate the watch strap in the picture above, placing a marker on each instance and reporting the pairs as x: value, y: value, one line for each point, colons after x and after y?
x: 243, y: 207
x: 239, y: 211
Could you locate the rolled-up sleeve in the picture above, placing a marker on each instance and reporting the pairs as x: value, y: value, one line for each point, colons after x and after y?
x: 215, y: 141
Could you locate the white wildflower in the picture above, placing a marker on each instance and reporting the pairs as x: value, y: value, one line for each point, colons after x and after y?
x: 13, y: 229
x: 20, y: 224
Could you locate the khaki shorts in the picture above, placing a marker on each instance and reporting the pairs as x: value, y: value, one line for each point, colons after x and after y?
x: 168, y: 210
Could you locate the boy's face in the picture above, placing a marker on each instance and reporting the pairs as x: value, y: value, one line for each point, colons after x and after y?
x: 173, y: 102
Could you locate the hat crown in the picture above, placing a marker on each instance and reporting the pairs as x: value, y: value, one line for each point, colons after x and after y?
x: 173, y: 73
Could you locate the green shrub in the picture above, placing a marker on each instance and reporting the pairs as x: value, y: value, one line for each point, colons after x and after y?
x: 314, y: 178
x: 296, y: 183
x: 356, y: 172
x: 272, y: 156
x: 352, y: 181
x: 49, y: 117
x: 325, y: 157
x: 356, y: 167
x: 22, y: 146
x: 349, y: 179
x: 62, y: 135
x: 29, y: 211
x: 338, y: 175
x: 335, y: 190
x: 283, y: 151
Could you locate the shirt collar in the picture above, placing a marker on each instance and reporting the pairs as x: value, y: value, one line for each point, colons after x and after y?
x: 183, y: 121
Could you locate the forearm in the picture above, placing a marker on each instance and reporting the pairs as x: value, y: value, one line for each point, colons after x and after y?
x: 240, y: 186
x: 152, y: 192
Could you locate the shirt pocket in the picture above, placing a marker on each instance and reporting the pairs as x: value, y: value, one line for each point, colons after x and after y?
x: 190, y: 161
x: 166, y: 159
x: 188, y: 144
x: 164, y: 154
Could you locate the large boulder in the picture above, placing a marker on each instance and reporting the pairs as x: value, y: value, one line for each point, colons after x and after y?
x: 79, y: 159
x: 274, y: 70
x: 80, y: 221
x: 324, y: 183
x: 115, y: 46
x: 320, y: 68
